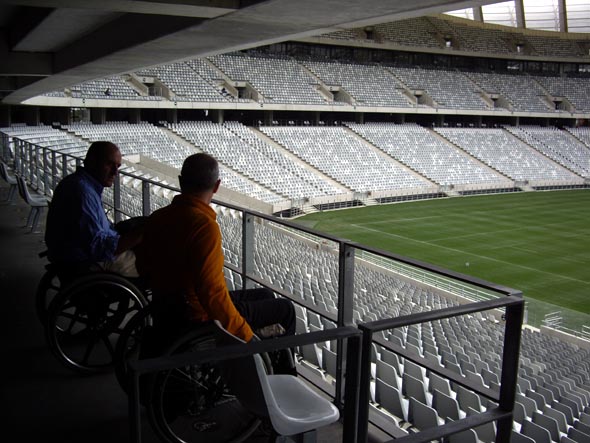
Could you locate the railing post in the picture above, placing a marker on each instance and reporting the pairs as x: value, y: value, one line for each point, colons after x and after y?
x: 145, y: 198
x: 117, y: 199
x: 352, y: 390
x: 46, y: 173
x: 30, y: 160
x: 54, y: 179
x: 345, y: 310
x: 64, y: 165
x: 247, y: 248
x: 510, y: 360
x: 364, y: 386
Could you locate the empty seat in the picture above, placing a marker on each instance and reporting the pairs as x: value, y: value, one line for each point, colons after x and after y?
x: 468, y: 399
x: 391, y: 400
x: 446, y: 407
x: 414, y: 388
x: 578, y: 436
x: 516, y: 437
x: 558, y: 416
x: 548, y: 423
x: 36, y: 203
x: 11, y: 180
x: 536, y: 432
x: 422, y: 416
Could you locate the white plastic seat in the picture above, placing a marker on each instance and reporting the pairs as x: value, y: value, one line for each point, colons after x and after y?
x: 292, y: 406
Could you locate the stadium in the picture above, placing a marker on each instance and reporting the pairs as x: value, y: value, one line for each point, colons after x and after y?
x: 413, y: 177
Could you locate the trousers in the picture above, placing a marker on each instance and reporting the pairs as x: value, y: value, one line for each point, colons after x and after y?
x: 260, y: 308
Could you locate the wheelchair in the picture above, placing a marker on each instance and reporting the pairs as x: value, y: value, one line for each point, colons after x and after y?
x: 230, y: 400
x: 84, y: 311
x: 84, y: 319
x: 47, y: 289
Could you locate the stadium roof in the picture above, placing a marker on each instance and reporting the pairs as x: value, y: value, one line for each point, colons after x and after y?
x: 49, y: 45
x: 546, y: 15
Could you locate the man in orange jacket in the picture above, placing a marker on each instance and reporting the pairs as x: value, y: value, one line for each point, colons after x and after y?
x: 182, y: 259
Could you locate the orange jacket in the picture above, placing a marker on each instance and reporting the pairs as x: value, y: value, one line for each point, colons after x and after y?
x: 181, y: 254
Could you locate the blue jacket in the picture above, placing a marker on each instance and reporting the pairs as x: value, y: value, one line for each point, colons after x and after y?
x: 77, y: 229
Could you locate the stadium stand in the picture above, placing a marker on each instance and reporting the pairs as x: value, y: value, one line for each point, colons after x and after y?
x: 341, y: 155
x: 295, y: 165
x: 508, y: 155
x: 557, y: 145
x: 426, y: 153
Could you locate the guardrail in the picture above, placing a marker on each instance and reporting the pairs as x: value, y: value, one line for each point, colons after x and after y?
x: 44, y: 168
x: 514, y: 305
x: 348, y: 407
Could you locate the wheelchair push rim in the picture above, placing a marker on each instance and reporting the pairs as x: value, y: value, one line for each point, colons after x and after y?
x: 193, y: 404
x: 85, y: 320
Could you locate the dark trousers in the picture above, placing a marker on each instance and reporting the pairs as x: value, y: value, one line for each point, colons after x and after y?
x: 260, y: 308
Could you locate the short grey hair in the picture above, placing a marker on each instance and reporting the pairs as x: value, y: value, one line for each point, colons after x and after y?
x: 199, y: 173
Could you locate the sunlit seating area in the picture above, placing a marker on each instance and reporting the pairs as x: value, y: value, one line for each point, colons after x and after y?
x: 449, y: 89
x: 258, y: 78
x: 278, y: 79
x: 339, y: 154
x: 426, y: 153
x: 557, y: 145
x: 507, y: 154
x: 235, y: 146
x: 368, y: 85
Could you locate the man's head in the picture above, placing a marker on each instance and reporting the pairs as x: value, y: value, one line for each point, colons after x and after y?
x: 199, y: 174
x: 102, y: 161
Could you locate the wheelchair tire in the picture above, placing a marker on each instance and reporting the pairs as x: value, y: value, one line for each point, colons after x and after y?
x: 85, y: 320
x: 47, y: 289
x: 192, y: 403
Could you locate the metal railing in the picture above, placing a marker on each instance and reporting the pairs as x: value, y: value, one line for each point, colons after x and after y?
x: 44, y: 167
x: 348, y: 407
x: 514, y: 305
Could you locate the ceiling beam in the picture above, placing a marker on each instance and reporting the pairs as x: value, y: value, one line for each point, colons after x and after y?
x: 25, y: 21
x: 122, y: 33
x: 181, y: 8
x: 24, y: 64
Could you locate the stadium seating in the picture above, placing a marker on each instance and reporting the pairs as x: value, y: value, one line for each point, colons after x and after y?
x: 553, y: 382
x: 507, y: 154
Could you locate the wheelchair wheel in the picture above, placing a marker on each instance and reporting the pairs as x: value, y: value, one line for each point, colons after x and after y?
x: 47, y: 289
x: 85, y: 320
x: 193, y: 404
x: 128, y: 344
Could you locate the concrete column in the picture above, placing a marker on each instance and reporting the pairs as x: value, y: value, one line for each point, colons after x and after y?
x: 134, y: 115
x: 561, y: 7
x: 519, y: 10
x: 359, y: 117
x: 316, y: 117
x: 440, y: 120
x: 172, y: 115
x: 268, y: 117
x: 478, y: 14
x: 98, y: 116
x: 516, y: 121
x: 217, y: 116
x: 479, y: 120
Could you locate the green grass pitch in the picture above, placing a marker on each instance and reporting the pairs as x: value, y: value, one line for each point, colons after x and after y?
x: 537, y: 242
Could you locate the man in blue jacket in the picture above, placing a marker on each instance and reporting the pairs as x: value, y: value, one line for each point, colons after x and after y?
x: 78, y: 234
